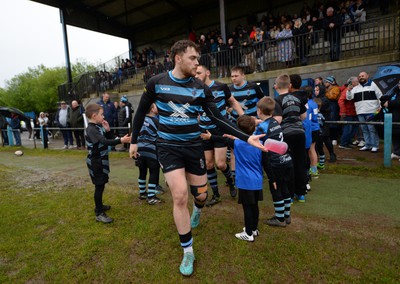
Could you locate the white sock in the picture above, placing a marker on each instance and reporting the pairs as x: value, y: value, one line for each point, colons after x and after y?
x: 196, y: 209
x: 188, y: 249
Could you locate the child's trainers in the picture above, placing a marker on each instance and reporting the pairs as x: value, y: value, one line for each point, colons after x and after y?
x: 103, y: 218
x: 275, y: 222
x: 232, y: 190
x: 143, y: 196
x: 320, y: 166
x: 300, y: 198
x: 214, y: 200
x: 256, y: 233
x: 159, y: 189
x: 153, y: 200
x: 186, y: 267
x: 245, y: 237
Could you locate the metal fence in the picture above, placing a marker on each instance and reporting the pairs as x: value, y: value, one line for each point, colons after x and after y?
x: 375, y: 36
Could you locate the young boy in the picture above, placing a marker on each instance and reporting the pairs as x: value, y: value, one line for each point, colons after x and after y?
x: 279, y: 168
x: 148, y: 157
x: 249, y: 176
x: 98, y: 138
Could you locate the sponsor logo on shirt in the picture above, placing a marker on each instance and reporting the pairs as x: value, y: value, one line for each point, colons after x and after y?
x: 179, y: 113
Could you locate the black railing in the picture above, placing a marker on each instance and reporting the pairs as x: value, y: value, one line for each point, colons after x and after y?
x: 375, y: 36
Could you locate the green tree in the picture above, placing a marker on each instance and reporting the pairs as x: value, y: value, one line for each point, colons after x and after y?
x: 37, y: 89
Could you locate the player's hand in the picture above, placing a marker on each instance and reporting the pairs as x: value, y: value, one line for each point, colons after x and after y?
x: 230, y: 136
x: 126, y: 139
x: 254, y: 140
x: 105, y: 124
x: 206, y: 136
x: 133, y: 151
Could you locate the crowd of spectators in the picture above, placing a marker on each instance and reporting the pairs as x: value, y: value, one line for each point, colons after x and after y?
x: 246, y: 45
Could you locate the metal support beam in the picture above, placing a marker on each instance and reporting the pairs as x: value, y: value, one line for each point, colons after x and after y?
x: 66, y: 48
x: 222, y: 19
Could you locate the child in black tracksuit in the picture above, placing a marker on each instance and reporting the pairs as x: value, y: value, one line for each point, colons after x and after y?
x: 97, y: 141
x: 279, y: 167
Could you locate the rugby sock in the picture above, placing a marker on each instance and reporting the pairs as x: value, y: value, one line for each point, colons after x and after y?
x: 186, y: 242
x: 288, y: 203
x: 151, y: 192
x: 228, y: 155
x: 142, y: 186
x: 228, y: 174
x: 322, y: 160
x: 279, y: 210
x: 212, y: 179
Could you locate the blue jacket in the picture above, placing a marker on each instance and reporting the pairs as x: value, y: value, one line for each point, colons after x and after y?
x: 110, y: 113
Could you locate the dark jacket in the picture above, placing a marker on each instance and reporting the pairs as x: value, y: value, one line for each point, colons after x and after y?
x: 110, y: 113
x: 76, y: 118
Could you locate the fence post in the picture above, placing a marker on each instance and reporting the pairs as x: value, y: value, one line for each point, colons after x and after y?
x: 43, y: 133
x: 387, y: 140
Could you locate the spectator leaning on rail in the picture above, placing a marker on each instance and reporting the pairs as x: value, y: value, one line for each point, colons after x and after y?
x: 366, y: 100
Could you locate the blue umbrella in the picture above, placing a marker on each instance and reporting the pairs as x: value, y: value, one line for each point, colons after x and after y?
x: 387, y: 78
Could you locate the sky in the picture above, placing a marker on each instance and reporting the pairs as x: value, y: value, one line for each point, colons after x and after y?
x: 31, y: 35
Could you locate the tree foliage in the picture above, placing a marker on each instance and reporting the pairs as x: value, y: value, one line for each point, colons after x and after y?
x: 37, y: 89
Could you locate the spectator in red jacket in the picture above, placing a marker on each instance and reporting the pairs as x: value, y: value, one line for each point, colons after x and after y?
x: 347, y: 112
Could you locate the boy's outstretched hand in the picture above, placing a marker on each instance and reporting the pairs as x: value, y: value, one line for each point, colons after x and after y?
x: 126, y: 139
x: 254, y: 140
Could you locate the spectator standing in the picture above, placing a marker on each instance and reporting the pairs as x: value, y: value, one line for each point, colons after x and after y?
x: 300, y: 32
x: 43, y: 123
x: 222, y: 58
x: 285, y: 45
x: 366, y: 97
x: 15, y: 124
x: 3, y: 128
x: 347, y: 113
x: 77, y: 122
x: 332, y: 92
x: 110, y: 112
x: 331, y: 25
x: 63, y: 120
x: 205, y: 49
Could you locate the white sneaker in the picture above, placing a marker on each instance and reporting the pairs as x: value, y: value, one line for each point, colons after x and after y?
x: 244, y: 236
x: 365, y: 148
x: 256, y: 233
x: 355, y: 142
x: 361, y: 144
x: 394, y: 156
x: 374, y: 149
x: 334, y: 142
x: 65, y: 147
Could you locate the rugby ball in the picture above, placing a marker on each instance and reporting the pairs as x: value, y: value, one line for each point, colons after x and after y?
x: 18, y: 153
